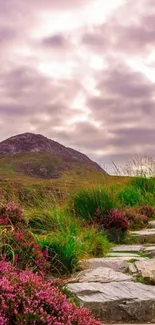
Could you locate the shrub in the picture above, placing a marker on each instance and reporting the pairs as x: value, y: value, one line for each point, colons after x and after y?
x: 86, y: 202
x: 116, y: 220
x: 115, y: 225
x: 21, y: 248
x: 147, y: 210
x: 26, y: 298
x: 130, y: 196
x: 11, y: 214
x: 137, y: 220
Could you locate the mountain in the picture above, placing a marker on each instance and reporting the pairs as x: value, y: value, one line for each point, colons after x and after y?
x: 37, y: 156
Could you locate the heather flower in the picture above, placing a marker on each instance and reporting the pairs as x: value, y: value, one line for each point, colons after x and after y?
x: 115, y: 220
x: 26, y: 298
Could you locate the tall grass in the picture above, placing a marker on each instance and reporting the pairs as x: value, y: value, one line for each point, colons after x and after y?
x: 84, y: 203
x: 67, y: 239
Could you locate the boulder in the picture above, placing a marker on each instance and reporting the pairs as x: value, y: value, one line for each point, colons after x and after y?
x: 146, y: 270
x: 117, y: 301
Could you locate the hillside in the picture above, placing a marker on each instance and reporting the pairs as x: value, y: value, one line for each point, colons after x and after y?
x: 36, y: 156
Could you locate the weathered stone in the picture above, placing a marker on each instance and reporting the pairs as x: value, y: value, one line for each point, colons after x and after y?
x: 150, y: 251
x: 132, y: 269
x: 102, y: 275
x: 151, y: 224
x: 117, y: 301
x: 128, y: 248
x: 146, y: 269
x: 121, y: 254
x: 118, y: 264
x: 144, y: 236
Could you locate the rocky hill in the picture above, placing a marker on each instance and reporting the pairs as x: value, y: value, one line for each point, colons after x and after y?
x: 35, y: 155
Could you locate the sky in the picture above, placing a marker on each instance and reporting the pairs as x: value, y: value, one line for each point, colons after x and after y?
x: 81, y: 72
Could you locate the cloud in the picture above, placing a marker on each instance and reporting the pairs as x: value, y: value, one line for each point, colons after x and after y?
x: 87, y: 85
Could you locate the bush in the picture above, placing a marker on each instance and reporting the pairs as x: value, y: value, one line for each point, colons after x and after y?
x: 21, y: 248
x: 11, y: 214
x: 26, y: 298
x: 147, y: 210
x: 137, y: 220
x: 130, y: 196
x: 86, y: 202
x: 115, y: 220
x: 115, y: 225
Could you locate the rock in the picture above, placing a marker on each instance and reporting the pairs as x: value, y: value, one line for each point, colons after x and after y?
x: 151, y: 224
x: 102, y: 275
x: 117, y: 301
x: 118, y: 264
x: 150, y: 251
x: 132, y: 269
x: 128, y: 248
x: 146, y: 269
x: 144, y: 236
x: 121, y: 254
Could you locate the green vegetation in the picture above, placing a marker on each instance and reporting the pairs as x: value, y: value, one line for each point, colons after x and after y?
x: 85, y: 202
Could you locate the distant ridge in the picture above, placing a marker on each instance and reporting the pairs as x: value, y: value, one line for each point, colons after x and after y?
x: 37, y: 155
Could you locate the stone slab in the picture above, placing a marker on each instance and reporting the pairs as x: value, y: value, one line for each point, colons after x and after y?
x: 121, y: 254
x: 151, y: 224
x: 117, y: 301
x: 102, y: 275
x: 128, y: 248
x: 144, y: 236
x: 117, y: 264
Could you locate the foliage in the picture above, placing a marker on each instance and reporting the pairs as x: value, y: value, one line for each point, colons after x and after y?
x: 20, y: 247
x: 144, y: 184
x: 11, y: 214
x: 115, y: 220
x: 95, y: 242
x: 63, y: 251
x: 114, y: 224
x: 86, y: 202
x: 147, y: 210
x: 26, y: 298
x: 130, y: 196
x: 137, y: 219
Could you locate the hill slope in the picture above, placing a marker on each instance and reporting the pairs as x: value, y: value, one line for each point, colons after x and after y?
x: 36, y: 156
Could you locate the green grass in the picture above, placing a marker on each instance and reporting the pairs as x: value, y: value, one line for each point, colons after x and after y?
x: 66, y: 239
x: 84, y: 203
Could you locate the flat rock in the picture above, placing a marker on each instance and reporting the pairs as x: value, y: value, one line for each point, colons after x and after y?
x: 121, y: 254
x: 152, y: 224
x: 150, y: 251
x: 146, y: 269
x: 144, y: 236
x: 102, y: 275
x: 128, y: 248
x: 117, y: 301
x: 118, y: 264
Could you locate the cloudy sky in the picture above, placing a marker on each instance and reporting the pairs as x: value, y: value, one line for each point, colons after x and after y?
x: 81, y: 72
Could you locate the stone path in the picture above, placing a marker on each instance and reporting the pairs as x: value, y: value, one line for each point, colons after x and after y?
x: 119, y: 288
